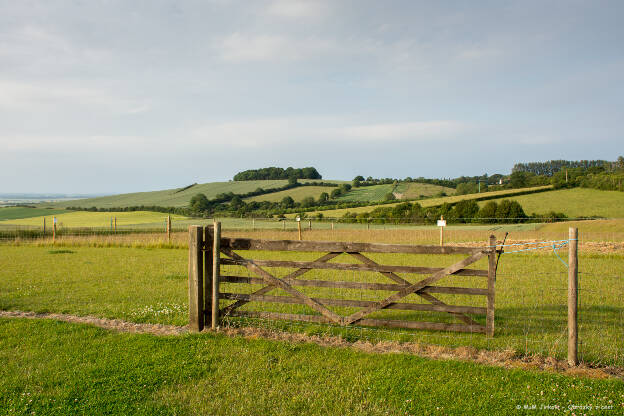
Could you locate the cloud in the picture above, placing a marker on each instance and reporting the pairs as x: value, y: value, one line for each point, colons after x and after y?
x: 321, y: 130
x: 241, y: 47
x: 423, y: 130
x: 33, y: 96
x: 297, y: 8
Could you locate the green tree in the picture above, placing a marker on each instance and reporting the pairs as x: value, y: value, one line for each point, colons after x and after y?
x: 307, y: 202
x: 323, y: 197
x: 336, y: 193
x: 487, y: 213
x: 287, y: 202
x: 292, y: 180
x: 199, y: 203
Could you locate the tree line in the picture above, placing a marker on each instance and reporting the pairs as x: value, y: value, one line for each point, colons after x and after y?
x: 274, y: 173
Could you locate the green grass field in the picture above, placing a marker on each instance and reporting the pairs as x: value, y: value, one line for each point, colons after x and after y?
x: 170, y: 197
x: 576, y: 202
x: 296, y: 193
x: 412, y: 190
x: 150, y: 285
x: 372, y: 193
x: 54, y: 368
x: 430, y: 202
x: 95, y: 219
x: 13, y: 213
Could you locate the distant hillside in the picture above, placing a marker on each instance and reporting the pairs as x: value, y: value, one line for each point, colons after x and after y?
x: 170, y: 197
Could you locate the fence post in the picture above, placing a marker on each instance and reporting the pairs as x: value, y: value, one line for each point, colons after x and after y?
x: 216, y: 247
x: 195, y: 271
x: 115, y: 224
x: 310, y: 224
x: 44, y: 227
x: 53, y: 229
x: 169, y: 228
x: 489, y: 320
x: 208, y: 276
x: 573, y: 297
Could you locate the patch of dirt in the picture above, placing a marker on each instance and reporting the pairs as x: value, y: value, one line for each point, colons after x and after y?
x: 506, y: 358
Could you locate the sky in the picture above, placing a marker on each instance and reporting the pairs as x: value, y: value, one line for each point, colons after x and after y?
x: 124, y: 96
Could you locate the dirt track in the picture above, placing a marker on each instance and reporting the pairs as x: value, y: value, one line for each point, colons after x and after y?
x: 507, y: 359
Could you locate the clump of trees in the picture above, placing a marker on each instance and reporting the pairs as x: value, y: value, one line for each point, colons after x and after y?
x: 467, y: 211
x: 274, y: 173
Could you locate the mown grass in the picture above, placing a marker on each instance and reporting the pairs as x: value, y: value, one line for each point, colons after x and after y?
x: 13, y: 213
x: 371, y: 193
x: 51, y: 367
x: 576, y: 202
x: 150, y: 285
x: 95, y: 219
x: 414, y: 190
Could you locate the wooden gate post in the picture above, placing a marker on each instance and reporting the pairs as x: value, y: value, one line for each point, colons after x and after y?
x: 196, y: 283
x: 208, y: 277
x: 169, y: 228
x: 216, y: 263
x: 573, y: 297
x: 489, y: 320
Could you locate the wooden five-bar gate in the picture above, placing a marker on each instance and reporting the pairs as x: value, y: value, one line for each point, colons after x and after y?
x: 207, y: 247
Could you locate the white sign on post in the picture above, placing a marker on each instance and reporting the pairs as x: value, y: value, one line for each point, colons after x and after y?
x: 298, y: 219
x: 441, y: 223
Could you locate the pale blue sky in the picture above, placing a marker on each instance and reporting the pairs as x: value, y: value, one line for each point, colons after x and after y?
x: 121, y: 96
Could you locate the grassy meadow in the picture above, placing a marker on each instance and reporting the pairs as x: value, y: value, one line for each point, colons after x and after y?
x: 373, y: 193
x: 170, y: 197
x: 575, y: 202
x: 414, y: 190
x: 50, y: 367
x: 149, y: 284
x: 58, y: 368
x: 94, y: 219
x: 14, y: 213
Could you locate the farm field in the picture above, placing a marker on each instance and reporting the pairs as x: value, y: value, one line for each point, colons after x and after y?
x: 170, y: 197
x: 574, y: 203
x: 95, y: 219
x: 13, y: 213
x: 372, y: 193
x: 296, y: 193
x: 414, y: 190
x: 214, y: 374
x: 430, y: 202
x: 150, y: 285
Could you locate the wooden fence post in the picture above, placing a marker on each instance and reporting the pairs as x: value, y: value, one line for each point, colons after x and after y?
x: 489, y: 320
x: 169, y: 228
x: 310, y: 224
x: 216, y: 263
x: 573, y: 297
x: 44, y: 227
x: 208, y: 274
x: 115, y: 224
x: 299, y: 227
x: 195, y: 272
x: 53, y: 229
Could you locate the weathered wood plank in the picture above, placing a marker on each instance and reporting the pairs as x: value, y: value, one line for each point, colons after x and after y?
x: 353, y: 303
x: 360, y: 285
x: 208, y: 277
x: 195, y: 279
x: 274, y: 281
x: 352, y: 267
x: 428, y: 297
x: 216, y: 271
x: 287, y: 279
x: 489, y: 324
x: 387, y: 323
x: 335, y: 246
x: 416, y: 286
